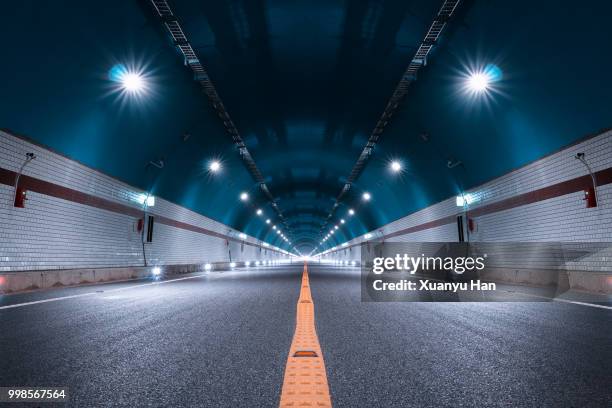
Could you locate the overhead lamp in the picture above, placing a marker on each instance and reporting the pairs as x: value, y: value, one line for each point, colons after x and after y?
x: 366, y: 196
x: 214, y: 166
x: 335, y: 227
x: 478, y: 82
x: 396, y: 166
x: 268, y: 221
x: 342, y: 221
x: 259, y: 211
x: 273, y: 227
x: 351, y: 211
x: 244, y: 196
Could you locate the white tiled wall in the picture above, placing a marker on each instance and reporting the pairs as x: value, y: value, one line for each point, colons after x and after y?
x: 52, y: 233
x: 560, y: 219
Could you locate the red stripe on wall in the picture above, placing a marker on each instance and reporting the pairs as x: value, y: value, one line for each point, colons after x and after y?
x: 54, y: 190
x: 602, y: 177
x: 574, y: 185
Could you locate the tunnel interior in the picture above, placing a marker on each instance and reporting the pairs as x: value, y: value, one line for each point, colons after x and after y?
x: 305, y: 83
x: 201, y: 201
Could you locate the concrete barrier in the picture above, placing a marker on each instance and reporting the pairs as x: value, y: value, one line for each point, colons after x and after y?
x: 593, y: 282
x: 15, y: 282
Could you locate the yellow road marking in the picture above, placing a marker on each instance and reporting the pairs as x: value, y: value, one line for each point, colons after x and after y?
x: 305, y: 383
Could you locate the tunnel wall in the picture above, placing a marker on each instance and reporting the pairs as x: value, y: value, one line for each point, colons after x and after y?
x: 540, y: 202
x: 76, y: 217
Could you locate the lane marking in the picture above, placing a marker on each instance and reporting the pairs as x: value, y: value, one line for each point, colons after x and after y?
x: 305, y: 383
x: 97, y: 293
x: 575, y: 302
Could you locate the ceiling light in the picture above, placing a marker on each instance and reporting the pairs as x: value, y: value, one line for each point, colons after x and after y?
x: 214, y: 166
x: 274, y: 227
x: 259, y: 211
x: 478, y: 82
x: 366, y: 196
x: 351, y: 211
x: 132, y: 82
x: 368, y: 236
x: 244, y: 196
x: 242, y: 235
x: 396, y: 166
x: 342, y: 221
x: 335, y: 227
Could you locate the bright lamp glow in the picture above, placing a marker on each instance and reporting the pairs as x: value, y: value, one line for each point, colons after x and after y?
x: 268, y: 221
x: 244, y: 196
x: 259, y: 211
x: 242, y: 235
x: 156, y: 271
x: 351, y: 211
x: 478, y: 82
x: 463, y: 200
x: 214, y: 166
x: 342, y: 221
x: 266, y: 244
x: 247, y: 263
x: 208, y: 267
x: 396, y: 166
x: 367, y: 236
x: 132, y: 82
x: 366, y: 196
x: 145, y: 199
x: 232, y: 264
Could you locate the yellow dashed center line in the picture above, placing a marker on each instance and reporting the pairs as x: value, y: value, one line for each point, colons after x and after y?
x: 305, y: 383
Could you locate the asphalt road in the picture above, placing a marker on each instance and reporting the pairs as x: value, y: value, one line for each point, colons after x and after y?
x: 221, y: 340
x: 531, y: 354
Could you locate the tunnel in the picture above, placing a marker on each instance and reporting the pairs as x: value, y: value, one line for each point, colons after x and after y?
x: 305, y: 203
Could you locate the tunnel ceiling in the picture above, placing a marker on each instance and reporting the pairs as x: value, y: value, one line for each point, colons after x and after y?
x: 305, y: 81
